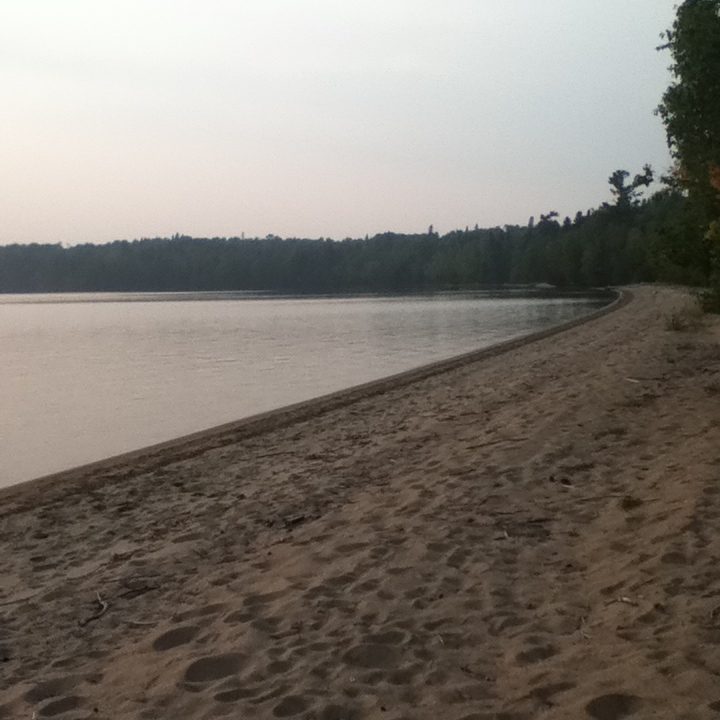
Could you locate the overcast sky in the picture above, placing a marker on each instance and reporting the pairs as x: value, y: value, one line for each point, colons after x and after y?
x: 318, y: 117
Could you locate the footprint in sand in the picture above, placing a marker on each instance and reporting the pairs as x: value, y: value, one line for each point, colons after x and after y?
x: 52, y: 687
x: 236, y: 694
x: 278, y: 667
x: 545, y: 693
x: 266, y: 625
x: 536, y: 654
x: 214, y: 667
x: 459, y: 694
x: 388, y: 637
x: 338, y: 712
x: 372, y: 655
x: 175, y: 637
x: 613, y: 707
x: 404, y: 676
x: 238, y: 616
x: 290, y: 705
x: 60, y: 706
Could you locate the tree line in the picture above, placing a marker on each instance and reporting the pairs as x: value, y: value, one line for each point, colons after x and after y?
x: 625, y: 242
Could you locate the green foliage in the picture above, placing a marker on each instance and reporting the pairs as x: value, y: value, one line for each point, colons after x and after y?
x: 710, y: 298
x: 690, y: 109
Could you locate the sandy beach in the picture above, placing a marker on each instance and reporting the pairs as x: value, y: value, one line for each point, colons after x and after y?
x: 532, y: 534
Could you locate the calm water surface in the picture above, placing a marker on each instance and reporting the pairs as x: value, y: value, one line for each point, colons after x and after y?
x: 88, y: 376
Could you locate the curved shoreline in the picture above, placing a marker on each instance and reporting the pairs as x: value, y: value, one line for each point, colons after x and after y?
x: 459, y: 540
x: 187, y: 446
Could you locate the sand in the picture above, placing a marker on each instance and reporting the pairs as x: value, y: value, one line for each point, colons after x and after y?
x: 532, y: 534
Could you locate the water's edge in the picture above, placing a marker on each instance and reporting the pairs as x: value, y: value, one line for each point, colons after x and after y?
x: 187, y: 446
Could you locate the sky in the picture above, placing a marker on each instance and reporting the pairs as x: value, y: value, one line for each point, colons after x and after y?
x: 319, y: 118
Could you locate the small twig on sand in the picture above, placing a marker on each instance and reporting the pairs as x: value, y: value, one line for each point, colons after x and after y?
x: 622, y: 599
x: 103, y: 605
x: 103, y: 609
x: 633, y: 380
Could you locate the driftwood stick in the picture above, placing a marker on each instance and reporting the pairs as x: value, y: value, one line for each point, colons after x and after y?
x: 103, y: 609
x: 622, y: 599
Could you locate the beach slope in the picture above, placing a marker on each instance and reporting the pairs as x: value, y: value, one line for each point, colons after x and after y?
x: 530, y: 535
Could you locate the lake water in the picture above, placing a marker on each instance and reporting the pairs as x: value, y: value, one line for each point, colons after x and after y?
x: 89, y: 376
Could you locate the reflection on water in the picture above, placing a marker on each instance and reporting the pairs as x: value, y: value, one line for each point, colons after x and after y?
x: 88, y: 376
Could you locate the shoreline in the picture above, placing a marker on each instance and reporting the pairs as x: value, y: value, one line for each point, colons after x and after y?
x: 186, y: 446
x: 532, y: 535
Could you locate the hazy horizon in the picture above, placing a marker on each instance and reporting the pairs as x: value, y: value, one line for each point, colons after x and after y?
x: 313, y: 118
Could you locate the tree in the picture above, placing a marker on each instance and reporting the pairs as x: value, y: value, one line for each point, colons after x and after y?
x: 690, y: 110
x: 690, y: 107
x: 549, y: 217
x: 629, y: 195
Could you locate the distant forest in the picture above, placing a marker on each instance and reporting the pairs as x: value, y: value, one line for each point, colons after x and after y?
x: 673, y: 235
x: 630, y: 240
